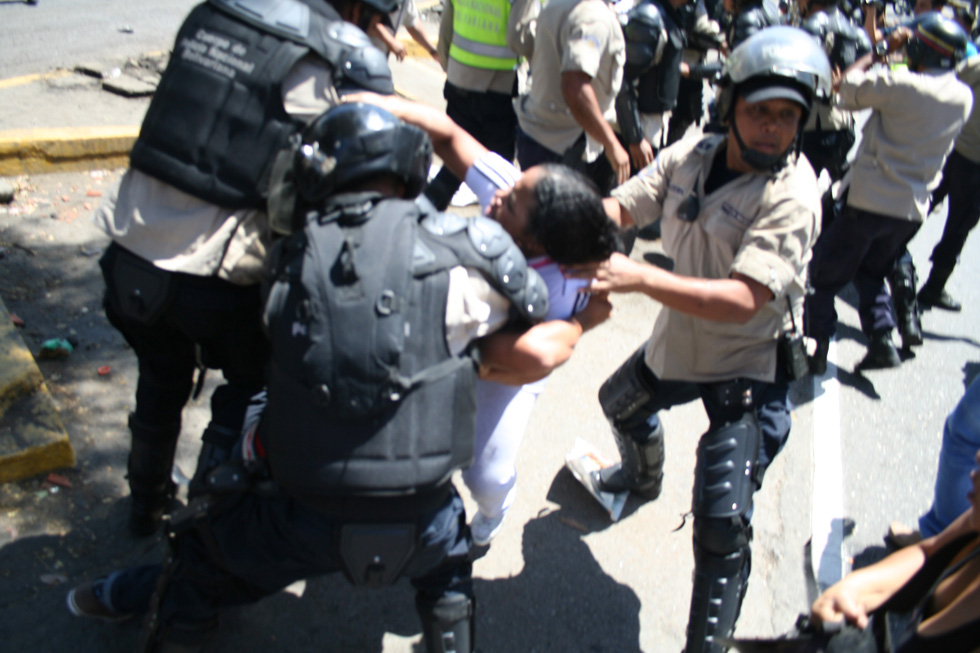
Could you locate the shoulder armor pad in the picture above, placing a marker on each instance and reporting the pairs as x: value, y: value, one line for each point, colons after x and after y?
x: 365, y: 68
x: 488, y: 237
x: 286, y: 18
x: 444, y: 224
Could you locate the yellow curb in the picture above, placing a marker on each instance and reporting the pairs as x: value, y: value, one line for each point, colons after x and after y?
x: 30, y: 79
x: 31, y: 151
x: 33, y: 439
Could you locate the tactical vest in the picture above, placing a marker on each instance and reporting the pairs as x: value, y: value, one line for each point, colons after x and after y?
x: 480, y: 34
x: 656, y: 89
x: 217, y: 120
x: 365, y: 398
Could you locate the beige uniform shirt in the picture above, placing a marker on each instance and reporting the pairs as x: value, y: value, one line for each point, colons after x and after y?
x: 968, y: 142
x: 183, y: 233
x: 906, y: 139
x: 759, y: 225
x: 572, y: 35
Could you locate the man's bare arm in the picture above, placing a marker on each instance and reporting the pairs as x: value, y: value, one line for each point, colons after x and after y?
x: 576, y: 88
x: 736, y: 299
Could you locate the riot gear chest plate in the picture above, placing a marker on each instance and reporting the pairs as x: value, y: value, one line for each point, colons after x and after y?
x: 365, y: 398
x: 217, y: 118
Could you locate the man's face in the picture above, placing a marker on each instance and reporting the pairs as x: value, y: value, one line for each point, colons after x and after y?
x: 510, y: 208
x: 768, y: 127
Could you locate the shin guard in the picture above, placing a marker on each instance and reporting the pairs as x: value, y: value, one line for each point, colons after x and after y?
x: 448, y: 622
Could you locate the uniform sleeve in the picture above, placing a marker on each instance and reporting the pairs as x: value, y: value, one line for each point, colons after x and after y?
x: 490, y: 173
x: 865, y: 90
x: 643, y: 195
x: 307, y: 90
x: 522, y: 23
x: 586, y: 38
x: 776, y: 248
x: 473, y: 309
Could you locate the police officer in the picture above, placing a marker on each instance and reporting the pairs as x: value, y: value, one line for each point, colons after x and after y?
x: 703, y: 35
x: 829, y: 133
x: 740, y: 212
x: 371, y: 310
x: 577, y: 70
x: 188, y: 222
x: 651, y: 78
x: 916, y: 113
x: 481, y: 81
x: 961, y: 178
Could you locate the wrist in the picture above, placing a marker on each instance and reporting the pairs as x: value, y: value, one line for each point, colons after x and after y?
x: 882, y: 48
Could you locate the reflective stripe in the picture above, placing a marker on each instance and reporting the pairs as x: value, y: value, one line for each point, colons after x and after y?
x: 484, y: 49
x: 480, y: 34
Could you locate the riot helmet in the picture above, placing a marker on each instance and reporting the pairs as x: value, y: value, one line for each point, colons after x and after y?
x: 777, y: 62
x: 843, y: 41
x: 353, y: 142
x: 937, y: 42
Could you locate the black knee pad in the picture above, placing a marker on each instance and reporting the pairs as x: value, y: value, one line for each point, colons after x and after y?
x: 626, y: 391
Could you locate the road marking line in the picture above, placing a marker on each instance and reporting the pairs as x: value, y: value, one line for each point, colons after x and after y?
x: 30, y: 79
x: 827, y: 514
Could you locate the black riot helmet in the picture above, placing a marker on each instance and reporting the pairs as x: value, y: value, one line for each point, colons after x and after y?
x: 937, y: 42
x: 777, y: 62
x: 843, y: 41
x: 353, y: 142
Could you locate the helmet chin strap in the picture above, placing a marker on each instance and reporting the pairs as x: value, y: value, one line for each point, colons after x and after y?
x: 760, y: 160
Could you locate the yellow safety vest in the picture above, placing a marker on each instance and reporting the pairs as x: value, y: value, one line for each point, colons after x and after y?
x: 480, y: 34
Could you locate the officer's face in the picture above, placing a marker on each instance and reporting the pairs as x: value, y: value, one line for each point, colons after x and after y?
x: 768, y: 126
x: 510, y: 208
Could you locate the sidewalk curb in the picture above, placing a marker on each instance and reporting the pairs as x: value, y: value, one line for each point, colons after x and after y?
x: 32, y: 151
x: 33, y: 439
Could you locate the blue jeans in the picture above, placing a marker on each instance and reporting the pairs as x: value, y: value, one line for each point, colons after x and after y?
x: 957, y: 458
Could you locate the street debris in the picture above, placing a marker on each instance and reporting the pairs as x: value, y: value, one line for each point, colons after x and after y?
x: 104, y: 370
x: 17, y: 320
x: 58, y: 479
x: 6, y: 192
x: 55, y: 348
x: 585, y: 462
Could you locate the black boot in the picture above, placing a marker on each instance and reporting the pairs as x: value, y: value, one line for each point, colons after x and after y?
x: 933, y: 292
x: 151, y: 460
x: 818, y: 362
x: 902, y: 281
x: 881, y: 352
x: 448, y: 622
x: 642, y: 468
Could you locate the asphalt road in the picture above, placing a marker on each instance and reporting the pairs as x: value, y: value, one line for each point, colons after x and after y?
x: 560, y: 576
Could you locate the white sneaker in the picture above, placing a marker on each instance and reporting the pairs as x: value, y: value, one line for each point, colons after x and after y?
x: 485, y: 528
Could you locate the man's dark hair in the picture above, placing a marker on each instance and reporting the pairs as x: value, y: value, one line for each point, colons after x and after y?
x: 568, y: 219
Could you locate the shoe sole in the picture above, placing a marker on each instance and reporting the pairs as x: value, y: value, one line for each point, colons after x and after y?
x: 76, y: 610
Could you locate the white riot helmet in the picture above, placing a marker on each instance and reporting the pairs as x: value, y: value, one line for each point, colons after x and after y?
x: 777, y: 62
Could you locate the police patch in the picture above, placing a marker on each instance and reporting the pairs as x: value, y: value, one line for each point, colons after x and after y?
x: 734, y: 214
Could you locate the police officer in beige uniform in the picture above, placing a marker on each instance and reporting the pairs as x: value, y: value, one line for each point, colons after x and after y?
x: 576, y: 73
x: 916, y: 115
x: 740, y: 212
x: 188, y: 220
x: 961, y: 178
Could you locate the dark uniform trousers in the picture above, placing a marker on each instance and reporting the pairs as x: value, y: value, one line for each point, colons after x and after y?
x: 858, y: 246
x: 264, y: 543
x: 488, y: 117
x: 261, y: 542
x: 771, y: 403
x: 223, y: 319
x: 961, y: 182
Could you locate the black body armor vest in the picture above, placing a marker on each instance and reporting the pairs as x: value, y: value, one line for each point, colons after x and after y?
x: 365, y: 398
x: 217, y: 120
x: 656, y: 89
